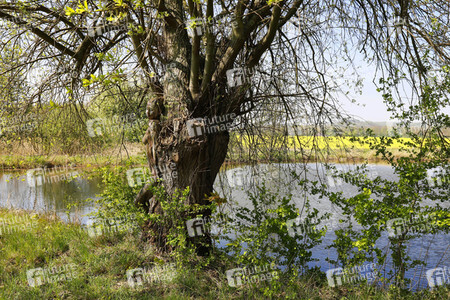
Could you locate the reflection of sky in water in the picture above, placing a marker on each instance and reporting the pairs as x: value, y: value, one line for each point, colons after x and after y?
x: 434, y: 249
x: 233, y: 183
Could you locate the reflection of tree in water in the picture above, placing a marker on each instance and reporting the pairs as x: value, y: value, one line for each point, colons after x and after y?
x: 50, y: 196
x: 14, y: 191
x: 58, y: 195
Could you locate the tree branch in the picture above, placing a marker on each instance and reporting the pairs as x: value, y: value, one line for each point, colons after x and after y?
x: 267, y: 39
x: 39, y: 33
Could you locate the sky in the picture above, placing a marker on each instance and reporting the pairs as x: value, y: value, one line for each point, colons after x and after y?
x: 370, y: 106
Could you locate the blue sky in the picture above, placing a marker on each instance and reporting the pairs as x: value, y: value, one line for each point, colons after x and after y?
x: 370, y: 106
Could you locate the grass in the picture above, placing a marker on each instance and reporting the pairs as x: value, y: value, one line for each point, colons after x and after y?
x: 102, y: 263
x: 15, y: 162
x: 276, y: 149
x: 21, y: 157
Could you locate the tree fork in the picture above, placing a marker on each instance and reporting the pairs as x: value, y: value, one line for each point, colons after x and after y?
x: 181, y: 161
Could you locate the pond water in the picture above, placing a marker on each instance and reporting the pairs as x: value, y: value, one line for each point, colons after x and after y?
x: 16, y: 191
x: 433, y: 249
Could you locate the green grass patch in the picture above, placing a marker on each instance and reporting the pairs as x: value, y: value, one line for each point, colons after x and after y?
x: 22, y: 162
x: 102, y: 263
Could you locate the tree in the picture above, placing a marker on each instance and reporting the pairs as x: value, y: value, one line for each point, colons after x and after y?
x: 191, y: 55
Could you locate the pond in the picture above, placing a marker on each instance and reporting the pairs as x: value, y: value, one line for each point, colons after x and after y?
x: 16, y: 191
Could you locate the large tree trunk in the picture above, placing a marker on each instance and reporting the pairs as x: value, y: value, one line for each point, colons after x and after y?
x: 181, y: 161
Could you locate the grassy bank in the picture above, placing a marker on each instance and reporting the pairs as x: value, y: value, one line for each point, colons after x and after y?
x: 20, y: 160
x: 22, y: 157
x: 102, y: 262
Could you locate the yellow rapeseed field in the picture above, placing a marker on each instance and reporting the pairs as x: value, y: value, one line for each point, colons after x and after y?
x: 310, y: 142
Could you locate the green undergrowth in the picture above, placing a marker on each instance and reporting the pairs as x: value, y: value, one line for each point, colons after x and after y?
x: 43, y: 241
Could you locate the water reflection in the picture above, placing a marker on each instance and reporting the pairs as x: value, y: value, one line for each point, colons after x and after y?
x: 49, y: 196
x: 15, y: 192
